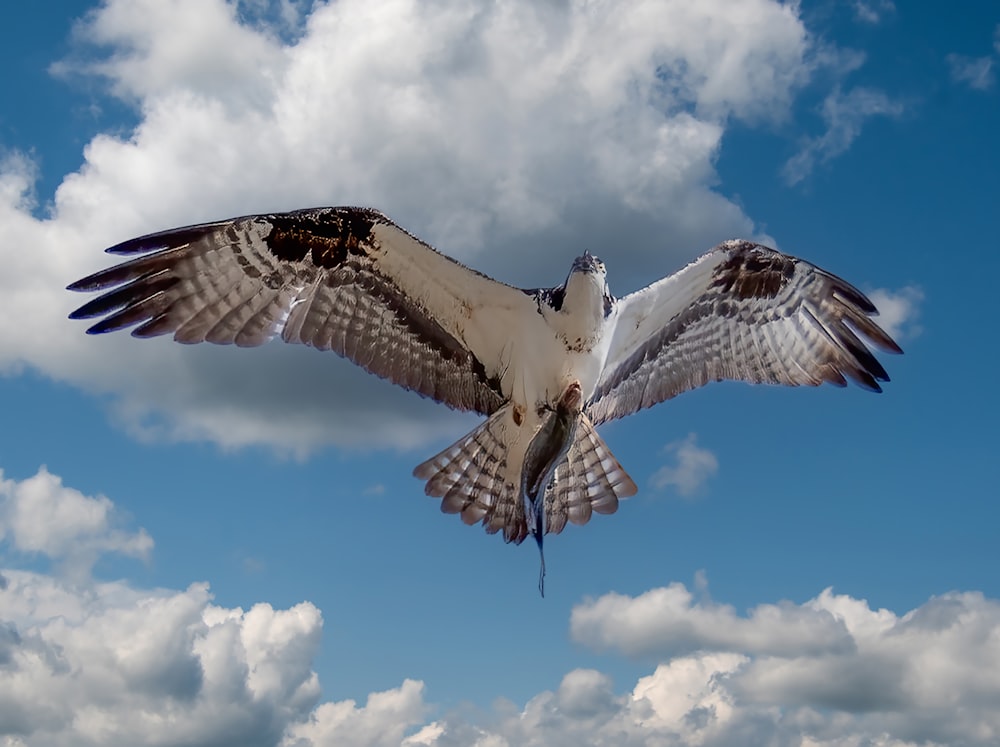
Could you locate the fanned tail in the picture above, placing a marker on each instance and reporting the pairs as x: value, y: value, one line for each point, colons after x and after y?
x: 590, y: 479
x: 470, y: 477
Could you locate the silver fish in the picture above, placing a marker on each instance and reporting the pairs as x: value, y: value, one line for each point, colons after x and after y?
x: 547, y: 449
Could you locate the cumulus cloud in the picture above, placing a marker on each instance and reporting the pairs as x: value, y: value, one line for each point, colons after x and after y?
x: 381, y: 722
x: 830, y: 672
x: 693, y: 466
x: 832, y: 652
x: 844, y: 115
x: 40, y: 515
x: 155, y: 49
x: 850, y: 675
x: 899, y: 311
x: 109, y: 664
x: 669, y: 621
x: 511, y: 135
x: 86, y: 662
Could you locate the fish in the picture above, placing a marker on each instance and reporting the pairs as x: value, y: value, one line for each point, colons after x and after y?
x: 547, y: 449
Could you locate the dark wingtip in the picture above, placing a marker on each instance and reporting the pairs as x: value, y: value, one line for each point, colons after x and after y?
x: 89, y: 283
x: 169, y: 239
x: 866, y: 380
x: 894, y: 348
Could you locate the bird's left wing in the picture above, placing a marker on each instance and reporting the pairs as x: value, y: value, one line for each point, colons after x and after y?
x: 742, y: 312
x: 343, y: 279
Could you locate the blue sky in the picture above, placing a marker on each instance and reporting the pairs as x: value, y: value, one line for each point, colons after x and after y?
x: 230, y: 542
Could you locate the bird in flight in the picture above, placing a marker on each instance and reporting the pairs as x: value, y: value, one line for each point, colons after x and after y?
x: 545, y: 365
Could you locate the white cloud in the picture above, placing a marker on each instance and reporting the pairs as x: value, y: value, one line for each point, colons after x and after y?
x: 975, y: 72
x: 831, y: 672
x: 159, y: 48
x: 106, y: 664
x: 509, y: 128
x: 979, y: 73
x: 381, y: 722
x: 92, y: 663
x: 669, y: 621
x: 832, y: 652
x: 844, y: 115
x: 873, y: 11
x: 899, y: 310
x: 694, y: 465
x: 85, y: 662
x: 41, y: 515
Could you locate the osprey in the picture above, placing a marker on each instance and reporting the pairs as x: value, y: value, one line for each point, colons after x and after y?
x: 545, y: 365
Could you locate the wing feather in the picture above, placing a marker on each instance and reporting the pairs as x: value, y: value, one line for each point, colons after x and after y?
x: 743, y: 312
x: 341, y: 279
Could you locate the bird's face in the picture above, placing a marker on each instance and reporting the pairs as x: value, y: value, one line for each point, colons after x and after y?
x: 590, y: 269
x: 588, y: 263
x: 587, y: 285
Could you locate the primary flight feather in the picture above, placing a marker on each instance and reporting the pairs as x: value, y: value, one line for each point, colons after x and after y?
x: 546, y: 365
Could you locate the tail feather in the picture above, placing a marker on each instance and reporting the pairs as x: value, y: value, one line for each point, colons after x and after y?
x: 471, y: 478
x: 590, y: 479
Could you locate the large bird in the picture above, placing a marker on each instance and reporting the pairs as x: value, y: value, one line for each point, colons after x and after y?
x: 545, y: 365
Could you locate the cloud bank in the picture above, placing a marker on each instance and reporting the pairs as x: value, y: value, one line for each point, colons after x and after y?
x: 90, y: 662
x: 511, y: 136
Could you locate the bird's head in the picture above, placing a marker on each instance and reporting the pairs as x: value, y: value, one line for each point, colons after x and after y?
x: 587, y: 283
x: 588, y: 264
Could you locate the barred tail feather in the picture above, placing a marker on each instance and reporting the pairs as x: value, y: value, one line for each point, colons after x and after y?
x: 470, y: 478
x: 590, y: 479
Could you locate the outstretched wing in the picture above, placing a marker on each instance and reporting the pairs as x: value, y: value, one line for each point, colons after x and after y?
x: 342, y: 279
x: 744, y: 312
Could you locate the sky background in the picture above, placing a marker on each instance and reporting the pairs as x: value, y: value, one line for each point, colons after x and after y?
x: 204, y: 545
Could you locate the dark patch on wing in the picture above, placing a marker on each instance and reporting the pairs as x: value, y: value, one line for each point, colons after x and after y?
x: 753, y: 272
x: 327, y: 237
x: 551, y: 297
x: 415, y: 320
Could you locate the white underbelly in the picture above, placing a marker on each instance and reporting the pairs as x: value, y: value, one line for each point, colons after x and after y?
x: 534, y: 369
x: 534, y: 365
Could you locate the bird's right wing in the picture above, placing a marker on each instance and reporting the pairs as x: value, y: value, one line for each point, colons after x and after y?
x: 343, y: 279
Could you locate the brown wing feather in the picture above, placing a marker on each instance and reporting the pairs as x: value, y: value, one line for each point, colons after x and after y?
x: 312, y: 276
x: 741, y: 312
